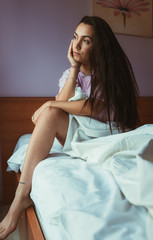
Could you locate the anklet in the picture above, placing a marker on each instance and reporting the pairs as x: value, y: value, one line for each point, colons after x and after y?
x: 22, y: 182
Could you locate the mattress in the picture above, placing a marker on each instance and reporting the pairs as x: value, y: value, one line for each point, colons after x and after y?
x: 79, y: 200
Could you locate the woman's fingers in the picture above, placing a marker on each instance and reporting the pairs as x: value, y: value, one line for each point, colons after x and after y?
x: 70, y: 51
x: 38, y: 112
x: 70, y: 55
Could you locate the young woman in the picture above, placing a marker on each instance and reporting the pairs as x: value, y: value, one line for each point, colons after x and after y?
x: 102, y: 70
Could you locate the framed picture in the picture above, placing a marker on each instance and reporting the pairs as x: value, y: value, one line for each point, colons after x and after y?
x: 132, y: 17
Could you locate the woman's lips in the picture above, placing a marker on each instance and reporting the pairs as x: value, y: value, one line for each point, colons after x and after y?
x: 76, y: 53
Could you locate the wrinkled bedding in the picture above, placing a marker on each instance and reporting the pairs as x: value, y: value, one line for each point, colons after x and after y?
x: 101, y: 190
x: 79, y: 201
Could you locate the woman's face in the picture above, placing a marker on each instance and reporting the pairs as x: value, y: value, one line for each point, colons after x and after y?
x: 82, y: 43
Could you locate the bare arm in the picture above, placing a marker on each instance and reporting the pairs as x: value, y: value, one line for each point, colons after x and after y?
x: 69, y: 87
x: 78, y: 107
x: 72, y: 107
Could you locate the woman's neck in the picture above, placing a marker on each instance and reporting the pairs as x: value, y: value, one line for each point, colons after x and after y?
x: 85, y: 70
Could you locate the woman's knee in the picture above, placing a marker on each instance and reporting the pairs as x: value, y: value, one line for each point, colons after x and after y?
x: 52, y: 113
x: 58, y: 119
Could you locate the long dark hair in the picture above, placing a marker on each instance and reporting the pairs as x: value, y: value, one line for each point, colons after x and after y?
x: 112, y: 80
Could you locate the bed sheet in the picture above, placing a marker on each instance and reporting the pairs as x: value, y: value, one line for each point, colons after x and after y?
x: 75, y: 199
x: 79, y: 201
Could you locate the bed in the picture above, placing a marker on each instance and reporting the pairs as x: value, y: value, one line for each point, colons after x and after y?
x: 15, y: 121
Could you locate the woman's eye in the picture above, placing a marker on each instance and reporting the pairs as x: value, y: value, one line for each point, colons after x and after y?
x: 74, y: 37
x: 86, y: 41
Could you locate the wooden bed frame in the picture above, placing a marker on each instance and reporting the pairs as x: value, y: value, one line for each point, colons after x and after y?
x: 15, y: 120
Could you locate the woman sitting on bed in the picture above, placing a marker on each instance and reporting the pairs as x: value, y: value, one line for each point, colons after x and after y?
x: 100, y: 67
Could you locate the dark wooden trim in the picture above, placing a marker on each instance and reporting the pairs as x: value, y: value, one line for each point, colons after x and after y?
x: 145, y: 110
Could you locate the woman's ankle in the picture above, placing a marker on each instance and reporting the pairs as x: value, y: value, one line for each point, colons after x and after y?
x: 23, y: 190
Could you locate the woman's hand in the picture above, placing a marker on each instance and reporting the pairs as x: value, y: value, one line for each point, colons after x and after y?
x: 39, y: 111
x: 71, y: 58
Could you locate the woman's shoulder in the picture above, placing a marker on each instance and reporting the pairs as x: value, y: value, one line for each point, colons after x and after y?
x: 66, y: 72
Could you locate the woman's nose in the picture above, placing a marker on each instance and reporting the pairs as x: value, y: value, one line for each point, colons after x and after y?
x: 78, y: 44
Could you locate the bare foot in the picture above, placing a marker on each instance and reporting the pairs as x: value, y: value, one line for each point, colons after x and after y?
x: 10, y: 221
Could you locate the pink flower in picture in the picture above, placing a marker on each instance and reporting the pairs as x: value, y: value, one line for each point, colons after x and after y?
x: 125, y: 7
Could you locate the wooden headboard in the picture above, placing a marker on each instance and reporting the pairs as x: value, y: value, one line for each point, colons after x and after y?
x: 15, y: 120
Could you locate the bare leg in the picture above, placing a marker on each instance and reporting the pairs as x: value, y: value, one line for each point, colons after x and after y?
x: 52, y: 123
